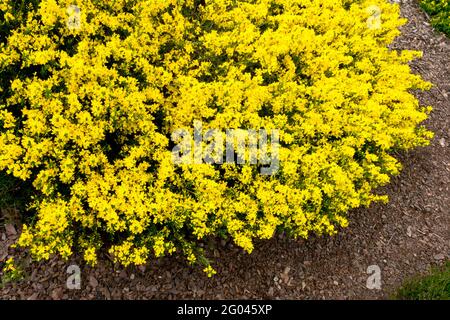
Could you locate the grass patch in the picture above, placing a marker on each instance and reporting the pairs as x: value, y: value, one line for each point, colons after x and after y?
x: 435, y: 286
x: 439, y: 11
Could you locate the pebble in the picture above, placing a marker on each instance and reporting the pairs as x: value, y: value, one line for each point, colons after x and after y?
x: 34, y: 296
x: 142, y: 268
x: 57, y: 294
x: 123, y: 274
x: 409, y: 231
x: 10, y: 230
x: 303, y: 285
x: 439, y: 256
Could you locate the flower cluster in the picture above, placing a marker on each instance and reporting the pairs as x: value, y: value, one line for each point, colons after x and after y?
x: 87, y: 113
x: 11, y: 272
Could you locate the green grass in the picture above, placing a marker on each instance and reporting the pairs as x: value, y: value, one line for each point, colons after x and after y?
x: 435, y: 286
x: 439, y: 12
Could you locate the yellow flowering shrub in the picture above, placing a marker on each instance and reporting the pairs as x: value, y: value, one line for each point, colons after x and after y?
x: 92, y: 90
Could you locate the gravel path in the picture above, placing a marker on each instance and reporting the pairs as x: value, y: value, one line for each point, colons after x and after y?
x: 405, y: 237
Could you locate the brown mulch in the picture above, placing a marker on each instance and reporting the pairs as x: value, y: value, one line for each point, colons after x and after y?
x: 404, y: 238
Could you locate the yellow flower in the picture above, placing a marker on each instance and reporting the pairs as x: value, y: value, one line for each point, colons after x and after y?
x: 90, y: 256
x: 92, y: 128
x: 209, y: 271
x: 9, y: 266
